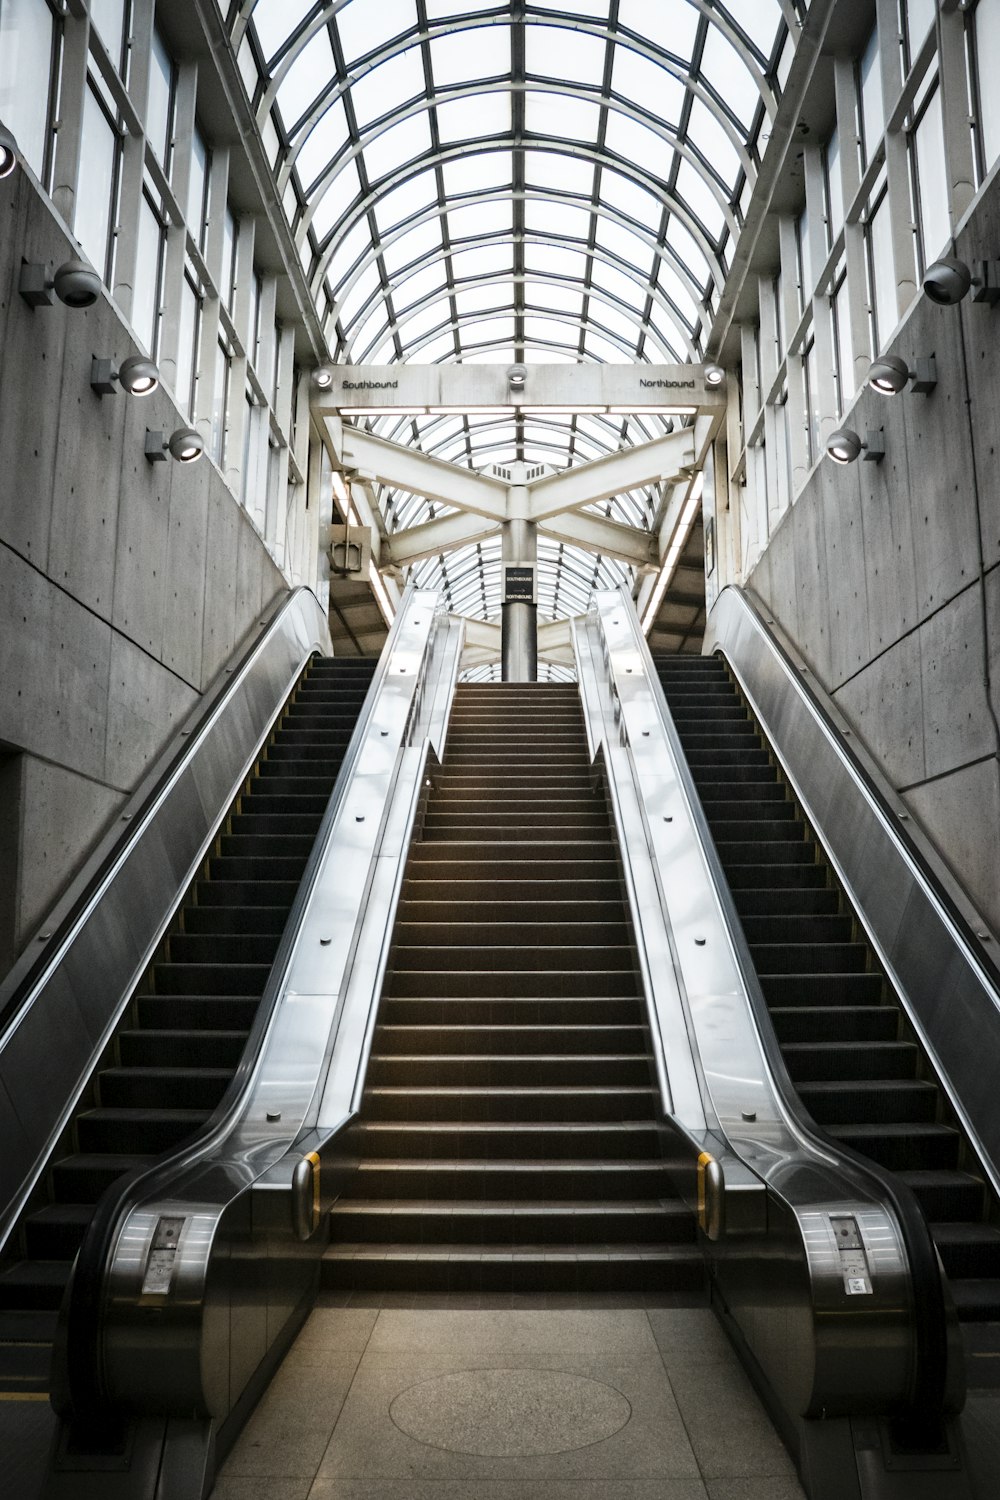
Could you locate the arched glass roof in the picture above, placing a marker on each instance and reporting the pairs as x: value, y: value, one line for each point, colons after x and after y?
x: 521, y: 181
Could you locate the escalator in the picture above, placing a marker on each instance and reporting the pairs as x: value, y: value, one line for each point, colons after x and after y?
x: 508, y: 1137
x: 175, y: 1054
x: 847, y: 1044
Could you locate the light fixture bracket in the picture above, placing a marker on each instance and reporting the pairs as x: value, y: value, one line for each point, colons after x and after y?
x: 986, y: 282
x: 873, y: 448
x: 34, y: 284
x: 156, y: 446
x: 102, y: 373
x: 924, y: 374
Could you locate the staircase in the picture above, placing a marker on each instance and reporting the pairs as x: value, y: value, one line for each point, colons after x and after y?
x: 184, y: 1033
x: 508, y: 1138
x: 856, y: 1064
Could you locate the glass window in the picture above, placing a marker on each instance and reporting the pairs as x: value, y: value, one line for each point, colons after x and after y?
x: 160, y: 103
x: 811, y: 374
x: 882, y: 275
x: 220, y: 401
x: 986, y: 19
x: 931, y: 180
x: 109, y: 18
x: 834, y: 188
x: 228, y: 258
x: 197, y: 204
x: 187, y: 345
x: 844, y: 351
x: 148, y: 271
x: 26, y: 28
x: 805, y: 259
x: 870, y: 97
x: 919, y: 20
x: 98, y: 165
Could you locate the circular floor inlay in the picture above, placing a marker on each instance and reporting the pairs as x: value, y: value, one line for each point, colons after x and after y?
x: 510, y: 1413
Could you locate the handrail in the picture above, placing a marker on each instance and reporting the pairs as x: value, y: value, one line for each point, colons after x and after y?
x: 87, y: 1392
x: 929, y: 1368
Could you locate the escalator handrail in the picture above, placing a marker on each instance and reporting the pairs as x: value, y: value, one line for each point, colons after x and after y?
x: 37, y: 963
x: 86, y: 1393
x: 930, y: 1320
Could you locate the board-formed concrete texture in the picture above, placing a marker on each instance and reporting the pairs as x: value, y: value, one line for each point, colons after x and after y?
x: 509, y: 1404
x: 886, y: 577
x: 124, y: 585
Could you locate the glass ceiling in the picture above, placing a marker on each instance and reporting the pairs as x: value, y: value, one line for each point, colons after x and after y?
x: 515, y: 182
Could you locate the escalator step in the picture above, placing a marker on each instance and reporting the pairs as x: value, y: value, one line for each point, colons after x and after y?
x: 798, y: 929
x: 795, y: 901
x: 469, y: 1140
x: 548, y: 1222
x: 851, y: 1059
x: 526, y: 983
x: 216, y: 948
x: 822, y: 989
x: 720, y: 794
x: 185, y: 1013
x: 264, y: 921
x: 56, y: 1232
x: 500, y: 1041
x: 85, y: 1177
x: 483, y: 1010
x: 977, y: 1301
x: 276, y: 822
x: 509, y: 1181
x: 180, y: 1049
x: 833, y: 1023
x: 482, y: 1268
x: 861, y: 1102
x: 267, y: 846
x: 809, y: 958
x: 211, y: 979
x: 969, y: 1250
x: 232, y: 868
x: 163, y: 1087
x: 947, y: 1195
x: 134, y: 1131
x: 764, y: 810
x: 555, y: 913
x: 34, y: 1284
x: 903, y: 1147
x: 270, y: 798
x: 252, y: 893
x: 764, y: 853
x: 410, y: 955
x: 513, y: 1070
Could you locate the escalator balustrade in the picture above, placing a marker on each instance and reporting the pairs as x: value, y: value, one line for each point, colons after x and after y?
x: 844, y: 1036
x: 186, y: 1027
x: 508, y: 1138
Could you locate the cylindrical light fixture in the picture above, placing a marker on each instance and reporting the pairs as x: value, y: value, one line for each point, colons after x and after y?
x: 715, y: 376
x: 8, y: 152
x: 185, y: 445
x: 844, y: 446
x: 136, y: 375
x: 322, y: 378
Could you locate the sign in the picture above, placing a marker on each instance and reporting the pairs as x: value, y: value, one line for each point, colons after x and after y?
x: 519, y: 583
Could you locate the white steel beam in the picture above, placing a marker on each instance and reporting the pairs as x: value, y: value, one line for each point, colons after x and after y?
x: 555, y: 642
x: 664, y: 458
x: 629, y: 544
x: 435, y: 479
x: 432, y: 537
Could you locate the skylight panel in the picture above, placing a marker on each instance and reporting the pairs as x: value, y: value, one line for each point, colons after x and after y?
x: 647, y: 84
x: 688, y: 251
x: 551, y: 330
x: 556, y: 52
x: 437, y: 429
x: 366, y: 333
x: 353, y: 244
x: 477, y: 299
x: 310, y: 73
x: 275, y: 21
x: 637, y: 143
x: 368, y: 282
x: 413, y: 326
x: 395, y: 81
x: 696, y: 193
x: 673, y: 287
x: 414, y: 245
x: 605, y: 352
x: 474, y: 116
x: 485, y: 260
x: 496, y: 354
x: 705, y: 131
x: 554, y: 169
x: 759, y: 19
x: 551, y: 357
x: 411, y: 197
x: 597, y: 8
x: 476, y: 170
x: 674, y: 28
x: 630, y: 198
x: 364, y: 26
x: 399, y: 144
x: 622, y: 242
x: 437, y: 9
x: 615, y: 321
x: 544, y: 294
x: 542, y: 217
x: 478, y: 219
x: 434, y: 351
x: 477, y: 52
x: 570, y: 265
x: 418, y: 286
x: 338, y: 197
x: 611, y: 280
x: 322, y: 143
x: 487, y: 329
x: 730, y: 76
x: 560, y: 115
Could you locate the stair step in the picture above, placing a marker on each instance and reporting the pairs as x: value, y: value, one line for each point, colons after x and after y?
x: 457, y: 1268
x: 529, y: 1105
x: 471, y: 1140
x: 547, y: 1221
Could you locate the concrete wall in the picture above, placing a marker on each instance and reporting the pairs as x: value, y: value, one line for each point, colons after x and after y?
x: 124, y: 585
x: 888, y: 578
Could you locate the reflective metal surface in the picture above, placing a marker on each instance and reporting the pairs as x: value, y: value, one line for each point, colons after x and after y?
x: 921, y: 924
x: 61, y: 1010
x: 827, y: 1331
x: 245, y: 1265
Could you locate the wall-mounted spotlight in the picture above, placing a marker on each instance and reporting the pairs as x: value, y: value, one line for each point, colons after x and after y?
x: 75, y: 283
x: 948, y: 280
x: 844, y: 446
x: 889, y: 375
x: 185, y: 445
x: 715, y: 376
x: 8, y: 152
x: 517, y: 377
x: 136, y: 376
x: 322, y: 378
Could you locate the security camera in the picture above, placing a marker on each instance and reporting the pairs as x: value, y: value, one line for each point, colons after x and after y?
x: 8, y: 152
x: 947, y: 281
x: 76, y: 284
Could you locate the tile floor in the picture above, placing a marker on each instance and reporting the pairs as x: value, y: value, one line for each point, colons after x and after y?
x: 418, y: 1403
